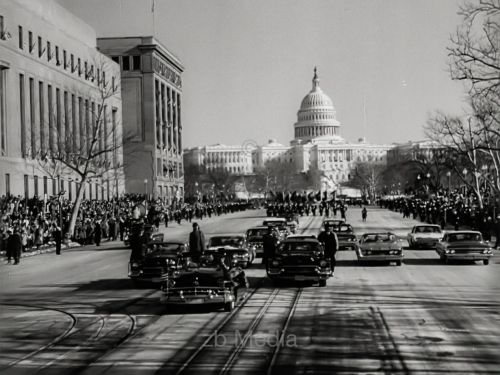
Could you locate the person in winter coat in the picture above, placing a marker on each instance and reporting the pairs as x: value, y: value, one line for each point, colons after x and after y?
x: 97, y: 233
x: 196, y: 242
x: 15, y: 246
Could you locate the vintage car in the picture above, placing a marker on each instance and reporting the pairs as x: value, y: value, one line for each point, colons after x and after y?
x: 345, y: 235
x: 156, y: 261
x: 300, y: 260
x: 464, y: 245
x: 301, y: 237
x: 140, y: 231
x: 332, y: 222
x: 234, y: 245
x: 214, y: 279
x: 255, y: 237
x: 424, y: 236
x: 380, y: 246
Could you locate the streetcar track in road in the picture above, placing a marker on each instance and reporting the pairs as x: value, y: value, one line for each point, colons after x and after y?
x: 274, y: 357
x: 253, y: 325
x: 382, y: 324
x: 72, y: 331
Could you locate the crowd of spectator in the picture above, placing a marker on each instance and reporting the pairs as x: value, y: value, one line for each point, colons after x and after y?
x: 452, y: 211
x: 39, y: 222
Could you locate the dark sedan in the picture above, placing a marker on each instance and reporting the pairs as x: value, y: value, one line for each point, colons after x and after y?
x: 464, y: 245
x: 158, y: 259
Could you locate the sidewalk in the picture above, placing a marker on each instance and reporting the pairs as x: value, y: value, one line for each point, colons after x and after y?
x: 49, y: 248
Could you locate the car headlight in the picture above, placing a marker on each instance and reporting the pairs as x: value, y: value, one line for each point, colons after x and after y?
x: 135, y: 265
x: 275, y: 263
x: 452, y: 251
x: 487, y: 251
x: 368, y: 252
x: 323, y: 263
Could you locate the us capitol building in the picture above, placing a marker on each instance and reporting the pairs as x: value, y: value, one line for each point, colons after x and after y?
x: 317, y: 146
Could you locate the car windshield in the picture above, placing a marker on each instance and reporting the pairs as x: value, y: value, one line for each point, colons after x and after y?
x: 225, y: 241
x: 458, y: 237
x: 166, y: 248
x: 381, y: 237
x: 259, y: 233
x: 299, y: 247
x: 274, y: 223
x: 427, y: 229
x: 343, y: 228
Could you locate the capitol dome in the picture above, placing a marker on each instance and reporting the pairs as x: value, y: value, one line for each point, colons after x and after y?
x: 316, y: 116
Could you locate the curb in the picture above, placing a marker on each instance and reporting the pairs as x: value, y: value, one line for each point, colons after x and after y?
x: 44, y: 250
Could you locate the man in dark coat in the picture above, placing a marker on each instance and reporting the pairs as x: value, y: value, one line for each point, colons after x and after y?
x: 196, y: 242
x: 331, y: 244
x: 57, y: 234
x: 497, y: 232
x: 15, y: 245
x: 269, y: 244
x: 97, y: 233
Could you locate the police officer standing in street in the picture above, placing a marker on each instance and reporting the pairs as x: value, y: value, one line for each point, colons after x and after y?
x: 331, y: 244
x: 269, y: 244
x: 196, y: 242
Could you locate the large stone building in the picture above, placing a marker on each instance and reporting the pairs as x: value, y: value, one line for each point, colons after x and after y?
x: 151, y: 90
x: 317, y: 145
x: 51, y: 81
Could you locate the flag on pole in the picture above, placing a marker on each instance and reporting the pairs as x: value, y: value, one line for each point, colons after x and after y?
x: 152, y: 6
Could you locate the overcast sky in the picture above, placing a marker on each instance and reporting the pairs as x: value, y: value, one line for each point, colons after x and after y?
x: 249, y: 63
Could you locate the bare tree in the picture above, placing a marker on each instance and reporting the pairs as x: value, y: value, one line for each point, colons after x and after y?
x: 367, y: 177
x: 90, y: 151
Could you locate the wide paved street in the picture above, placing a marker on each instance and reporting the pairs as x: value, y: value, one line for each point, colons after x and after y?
x: 79, y: 313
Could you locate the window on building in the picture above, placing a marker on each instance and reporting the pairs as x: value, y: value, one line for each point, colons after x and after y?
x: 70, y: 190
x: 40, y: 47
x: 79, y: 67
x: 45, y: 190
x: 7, y: 183
x: 22, y: 108
x: 58, y: 61
x: 31, y: 44
x: 125, y: 63
x: 35, y: 185
x: 21, y: 40
x: 136, y: 62
x: 26, y: 187
x: 49, y: 51
x: 72, y: 62
x: 1, y: 27
x: 65, y: 59
x: 3, y: 115
x: 115, y: 141
x: 51, y: 118
x: 33, y: 134
x: 62, y: 185
x: 116, y: 59
x: 41, y: 106
x: 59, y: 136
x: 54, y: 186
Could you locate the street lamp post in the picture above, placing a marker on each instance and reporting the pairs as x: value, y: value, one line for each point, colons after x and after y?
x: 146, y: 192
x: 59, y: 201
x: 448, y: 174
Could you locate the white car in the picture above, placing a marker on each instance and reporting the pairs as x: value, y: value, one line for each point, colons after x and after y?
x: 425, y: 236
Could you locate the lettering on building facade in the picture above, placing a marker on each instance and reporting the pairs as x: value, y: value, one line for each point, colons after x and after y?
x: 163, y: 70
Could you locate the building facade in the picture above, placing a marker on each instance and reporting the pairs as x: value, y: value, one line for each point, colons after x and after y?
x: 51, y: 82
x: 151, y: 88
x: 317, y: 145
x: 232, y: 159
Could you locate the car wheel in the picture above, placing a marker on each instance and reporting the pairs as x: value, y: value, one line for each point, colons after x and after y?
x: 486, y: 262
x: 229, y: 306
x: 322, y: 283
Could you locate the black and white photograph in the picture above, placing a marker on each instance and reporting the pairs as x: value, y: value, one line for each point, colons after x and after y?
x: 249, y: 187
